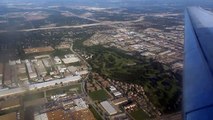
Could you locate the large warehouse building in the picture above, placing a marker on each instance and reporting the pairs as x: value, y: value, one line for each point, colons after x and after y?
x: 108, y: 107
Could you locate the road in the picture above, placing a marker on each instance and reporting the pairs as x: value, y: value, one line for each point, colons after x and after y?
x: 99, y: 23
x: 37, y: 86
x: 105, y: 23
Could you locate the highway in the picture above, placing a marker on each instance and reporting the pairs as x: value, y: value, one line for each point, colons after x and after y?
x: 105, y: 23
x: 101, y: 23
x: 37, y: 86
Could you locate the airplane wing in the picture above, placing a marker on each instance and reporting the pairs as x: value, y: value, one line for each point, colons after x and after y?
x: 198, y: 65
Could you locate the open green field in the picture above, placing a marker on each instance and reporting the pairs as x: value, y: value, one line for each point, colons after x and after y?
x: 99, y: 95
x: 110, y: 63
x: 139, y: 115
x: 29, y: 97
x: 61, y: 52
x: 65, y: 89
x: 96, y: 115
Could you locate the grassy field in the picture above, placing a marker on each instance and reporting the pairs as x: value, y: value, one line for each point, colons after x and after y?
x: 96, y: 115
x: 29, y: 97
x: 99, y: 95
x: 61, y: 52
x: 64, y: 90
x: 74, y: 64
x: 111, y: 63
x: 139, y: 115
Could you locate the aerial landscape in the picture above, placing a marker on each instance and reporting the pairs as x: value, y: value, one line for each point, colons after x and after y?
x: 92, y: 60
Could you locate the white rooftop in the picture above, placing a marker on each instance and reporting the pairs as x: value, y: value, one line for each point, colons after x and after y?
x: 70, y: 60
x: 83, y: 72
x: 117, y: 93
x: 108, y: 107
x: 112, y: 88
x: 72, y: 68
x: 81, y: 104
x: 41, y: 117
x: 69, y: 55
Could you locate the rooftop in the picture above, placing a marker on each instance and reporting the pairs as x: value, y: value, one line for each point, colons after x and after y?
x: 119, y: 100
x: 112, y: 88
x: 117, y: 93
x: 41, y: 117
x: 70, y: 60
x: 108, y: 107
x: 81, y: 104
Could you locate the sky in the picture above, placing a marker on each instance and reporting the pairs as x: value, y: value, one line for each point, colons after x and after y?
x: 113, y: 3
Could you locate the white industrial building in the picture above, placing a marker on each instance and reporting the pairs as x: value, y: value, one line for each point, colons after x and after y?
x: 47, y: 62
x: 70, y: 58
x: 57, y: 60
x: 112, y: 88
x: 18, y: 61
x: 21, y: 68
x: 108, y: 107
x: 80, y: 104
x: 40, y: 68
x: 31, y: 70
x: 41, y: 117
x: 22, y: 72
x: 76, y: 104
x: 61, y: 68
x: 117, y: 93
x: 72, y: 69
x: 54, y: 82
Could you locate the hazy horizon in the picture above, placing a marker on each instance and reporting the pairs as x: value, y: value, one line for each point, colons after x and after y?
x: 111, y: 3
